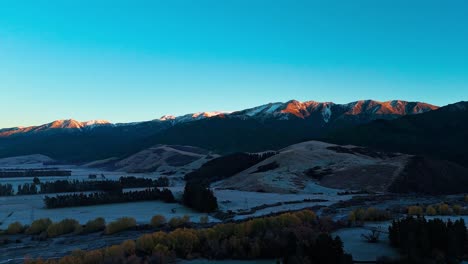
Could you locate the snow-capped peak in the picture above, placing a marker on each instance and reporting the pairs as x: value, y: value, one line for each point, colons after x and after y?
x: 68, y: 124
x: 167, y: 117
x: 192, y: 117
x: 209, y: 114
x: 95, y: 122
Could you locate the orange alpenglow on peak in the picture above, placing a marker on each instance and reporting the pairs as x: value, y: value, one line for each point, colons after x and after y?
x: 318, y: 111
x: 57, y: 124
x: 395, y: 107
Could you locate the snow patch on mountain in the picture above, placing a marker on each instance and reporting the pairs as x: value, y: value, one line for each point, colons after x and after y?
x: 255, y: 111
x: 326, y: 113
x: 192, y: 117
x: 95, y: 122
x: 273, y: 108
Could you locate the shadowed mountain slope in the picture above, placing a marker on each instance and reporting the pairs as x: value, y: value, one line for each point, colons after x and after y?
x: 441, y: 134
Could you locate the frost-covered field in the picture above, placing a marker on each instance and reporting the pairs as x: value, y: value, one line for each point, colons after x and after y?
x: 362, y: 250
x: 26, y: 208
x: 241, y: 201
x: 29, y: 207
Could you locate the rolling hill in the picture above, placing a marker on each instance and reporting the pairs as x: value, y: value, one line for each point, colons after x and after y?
x: 309, y: 166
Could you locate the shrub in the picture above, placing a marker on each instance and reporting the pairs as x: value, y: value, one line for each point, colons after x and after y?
x: 120, y: 225
x: 185, y: 219
x: 95, y: 225
x: 15, y: 228
x: 204, y: 219
x: 372, y: 214
x: 430, y: 210
x: 352, y: 217
x: 158, y: 220
x: 175, y: 222
x: 183, y: 241
x: 129, y: 247
x: 161, y: 249
x: 114, y: 251
x: 360, y: 214
x: 145, y: 243
x: 65, y: 226
x: 179, y: 221
x: 93, y: 257
x: 307, y: 216
x: 78, y: 253
x: 444, y: 209
x: 372, y: 237
x: 160, y: 237
x: 369, y: 214
x: 69, y: 260
x: 457, y: 209
x: 415, y: 210
x: 38, y: 226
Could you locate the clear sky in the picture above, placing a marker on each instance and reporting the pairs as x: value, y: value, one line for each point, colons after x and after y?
x: 137, y: 60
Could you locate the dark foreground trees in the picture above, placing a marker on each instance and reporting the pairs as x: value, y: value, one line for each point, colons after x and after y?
x: 82, y: 199
x: 199, y: 197
x: 420, y: 240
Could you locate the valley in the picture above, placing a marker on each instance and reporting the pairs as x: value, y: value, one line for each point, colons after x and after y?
x: 351, y: 190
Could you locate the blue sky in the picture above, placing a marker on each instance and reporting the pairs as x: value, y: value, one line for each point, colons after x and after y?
x: 137, y: 60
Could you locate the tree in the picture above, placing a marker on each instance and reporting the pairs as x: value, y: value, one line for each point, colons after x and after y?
x: 418, y: 239
x: 199, y: 197
x: 430, y: 210
x: 415, y: 210
x: 36, y: 180
x: 158, y: 220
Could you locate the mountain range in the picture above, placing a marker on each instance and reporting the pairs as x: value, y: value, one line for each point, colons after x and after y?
x: 326, y: 112
x: 270, y: 126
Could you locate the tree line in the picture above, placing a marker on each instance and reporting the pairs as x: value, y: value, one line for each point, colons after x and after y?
x: 134, y: 182
x: 6, y: 190
x: 106, y: 185
x: 33, y: 173
x: 62, y: 186
x: 71, y: 200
